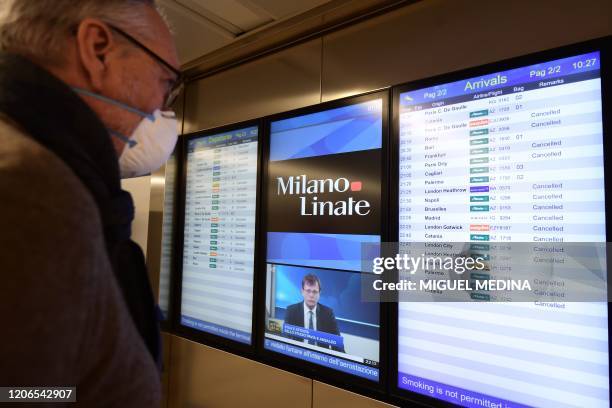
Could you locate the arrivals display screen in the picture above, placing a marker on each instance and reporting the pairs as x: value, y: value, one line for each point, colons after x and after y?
x: 324, y: 200
x: 510, y: 156
x: 219, y: 233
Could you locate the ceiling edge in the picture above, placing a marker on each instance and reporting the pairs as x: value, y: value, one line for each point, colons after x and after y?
x: 271, y: 38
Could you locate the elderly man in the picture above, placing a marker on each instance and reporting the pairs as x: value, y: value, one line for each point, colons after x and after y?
x: 85, y: 87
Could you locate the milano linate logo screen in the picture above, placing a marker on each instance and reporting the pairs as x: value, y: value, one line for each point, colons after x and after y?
x: 323, y: 194
x: 324, y: 186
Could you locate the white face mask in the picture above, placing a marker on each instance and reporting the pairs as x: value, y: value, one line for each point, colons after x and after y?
x: 151, y: 144
x: 155, y: 141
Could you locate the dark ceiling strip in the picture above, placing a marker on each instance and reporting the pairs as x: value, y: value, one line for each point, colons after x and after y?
x: 313, y: 24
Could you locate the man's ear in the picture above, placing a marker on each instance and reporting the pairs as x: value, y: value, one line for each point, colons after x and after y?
x: 94, y: 42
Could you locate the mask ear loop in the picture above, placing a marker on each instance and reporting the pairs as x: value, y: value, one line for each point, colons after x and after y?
x: 122, y: 105
x: 131, y: 143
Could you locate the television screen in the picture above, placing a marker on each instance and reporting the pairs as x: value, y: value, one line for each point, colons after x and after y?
x: 506, y: 157
x: 219, y: 233
x: 323, y: 203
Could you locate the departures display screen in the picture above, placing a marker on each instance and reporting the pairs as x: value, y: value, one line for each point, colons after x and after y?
x: 219, y: 234
x: 507, y: 157
x: 324, y: 201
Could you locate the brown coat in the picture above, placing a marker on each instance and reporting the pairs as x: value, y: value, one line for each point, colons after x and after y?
x: 64, y: 321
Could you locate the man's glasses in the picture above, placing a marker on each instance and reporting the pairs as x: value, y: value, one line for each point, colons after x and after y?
x: 179, y: 83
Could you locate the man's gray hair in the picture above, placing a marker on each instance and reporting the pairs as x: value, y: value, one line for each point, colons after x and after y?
x: 39, y: 28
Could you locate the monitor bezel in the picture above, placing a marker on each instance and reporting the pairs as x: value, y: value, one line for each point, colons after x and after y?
x: 603, y: 45
x: 209, y: 339
x: 316, y: 372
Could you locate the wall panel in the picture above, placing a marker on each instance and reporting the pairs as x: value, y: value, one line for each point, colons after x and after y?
x: 324, y: 395
x: 202, y: 376
x: 438, y: 36
x: 287, y: 80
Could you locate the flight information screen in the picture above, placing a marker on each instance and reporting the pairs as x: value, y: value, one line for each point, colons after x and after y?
x: 513, y: 156
x: 324, y: 202
x: 219, y: 234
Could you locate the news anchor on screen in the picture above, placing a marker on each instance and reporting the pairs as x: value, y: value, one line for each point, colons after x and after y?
x: 310, y: 313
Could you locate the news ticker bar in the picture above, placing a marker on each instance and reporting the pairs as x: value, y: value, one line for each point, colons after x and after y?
x: 37, y: 394
x: 301, y: 344
x: 325, y: 360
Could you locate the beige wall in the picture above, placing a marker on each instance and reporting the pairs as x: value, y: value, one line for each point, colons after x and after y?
x: 201, y: 376
x: 279, y: 82
x: 438, y: 36
x: 425, y: 39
